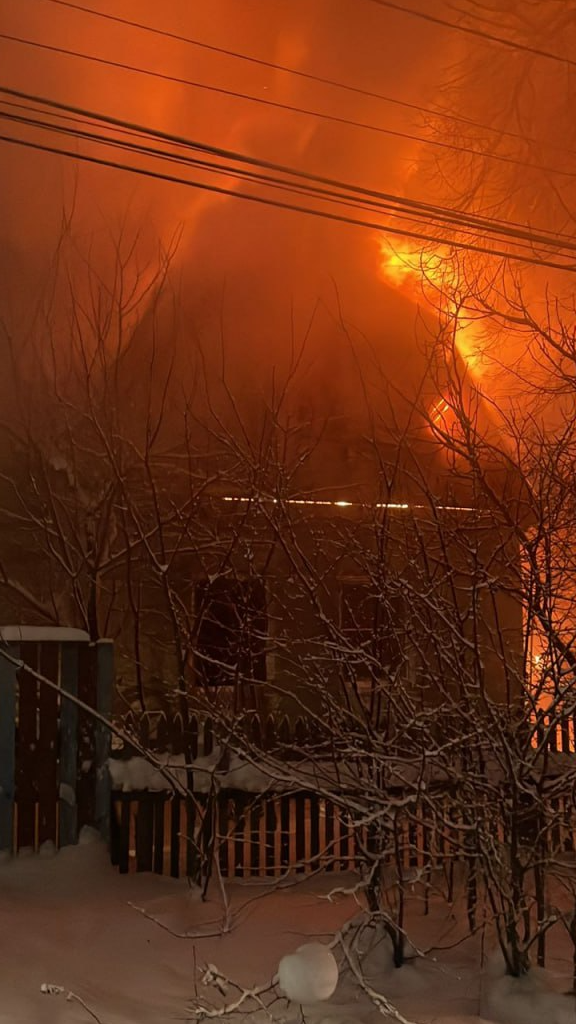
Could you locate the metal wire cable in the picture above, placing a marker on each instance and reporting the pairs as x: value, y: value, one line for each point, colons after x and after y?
x: 291, y: 108
x: 458, y: 217
x: 324, y: 214
x: 433, y: 111
x: 490, y: 37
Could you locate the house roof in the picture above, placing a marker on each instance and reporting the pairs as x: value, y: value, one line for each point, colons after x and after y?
x: 279, y: 343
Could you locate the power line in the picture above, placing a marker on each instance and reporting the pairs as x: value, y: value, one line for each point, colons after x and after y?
x: 338, y: 198
x: 323, y: 214
x: 348, y: 122
x: 291, y: 108
x: 430, y: 211
x: 310, y: 76
x: 355, y: 222
x: 481, y: 33
x: 270, y: 65
x: 202, y: 165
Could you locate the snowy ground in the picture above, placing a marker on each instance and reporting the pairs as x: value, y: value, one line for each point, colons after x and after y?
x: 72, y: 921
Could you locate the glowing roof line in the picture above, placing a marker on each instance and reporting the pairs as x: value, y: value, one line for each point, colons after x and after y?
x: 394, y: 505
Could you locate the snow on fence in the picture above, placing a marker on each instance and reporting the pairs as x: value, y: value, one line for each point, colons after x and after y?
x: 53, y: 779
x: 264, y: 833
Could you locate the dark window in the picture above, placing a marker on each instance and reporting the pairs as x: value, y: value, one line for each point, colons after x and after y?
x: 372, y: 627
x: 231, y: 631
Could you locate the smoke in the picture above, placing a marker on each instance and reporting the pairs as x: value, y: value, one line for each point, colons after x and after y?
x: 254, y: 284
x: 376, y: 51
x: 519, y: 108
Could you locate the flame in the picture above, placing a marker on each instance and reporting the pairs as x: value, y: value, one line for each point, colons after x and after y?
x: 398, y: 267
x: 431, y: 274
x: 440, y: 412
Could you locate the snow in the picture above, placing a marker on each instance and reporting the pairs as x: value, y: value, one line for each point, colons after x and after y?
x: 169, y: 772
x: 39, y: 634
x: 67, y: 794
x: 525, y: 1000
x: 88, y: 835
x: 134, y: 949
x: 310, y: 975
x: 47, y: 849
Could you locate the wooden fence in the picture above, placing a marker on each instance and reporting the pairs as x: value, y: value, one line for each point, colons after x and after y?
x: 555, y: 731
x: 161, y: 733
x: 53, y: 779
x: 259, y: 835
x: 266, y: 834
x: 255, y: 835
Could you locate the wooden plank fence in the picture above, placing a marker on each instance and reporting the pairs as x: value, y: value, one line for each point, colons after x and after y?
x: 258, y: 835
x: 53, y: 779
x: 265, y: 834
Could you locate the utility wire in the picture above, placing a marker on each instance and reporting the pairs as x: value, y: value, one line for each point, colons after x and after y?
x: 292, y: 207
x: 434, y: 111
x: 79, y: 130
x: 456, y: 26
x: 291, y: 108
x: 514, y: 229
x: 324, y: 214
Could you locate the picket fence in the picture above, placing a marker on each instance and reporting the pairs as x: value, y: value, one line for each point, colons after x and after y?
x: 250, y: 835
x: 267, y: 834
x: 557, y: 733
x: 161, y: 732
x: 53, y: 778
x: 258, y: 835
x: 53, y: 753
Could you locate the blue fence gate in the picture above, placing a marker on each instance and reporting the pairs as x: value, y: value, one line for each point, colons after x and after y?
x: 53, y: 752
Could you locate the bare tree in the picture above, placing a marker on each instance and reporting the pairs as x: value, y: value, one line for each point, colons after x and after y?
x: 213, y: 540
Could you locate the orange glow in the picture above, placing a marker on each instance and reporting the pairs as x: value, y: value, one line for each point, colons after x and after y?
x: 400, y: 268
x: 395, y: 506
x: 432, y: 276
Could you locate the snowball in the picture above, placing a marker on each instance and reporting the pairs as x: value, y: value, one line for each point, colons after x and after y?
x: 309, y: 975
x: 47, y: 849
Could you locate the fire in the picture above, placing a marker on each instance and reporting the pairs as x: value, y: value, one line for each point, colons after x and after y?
x: 398, y: 266
x: 440, y: 412
x: 432, y: 275
x: 401, y: 267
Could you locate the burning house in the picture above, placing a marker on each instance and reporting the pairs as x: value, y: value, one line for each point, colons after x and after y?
x: 272, y: 497
x: 261, y: 468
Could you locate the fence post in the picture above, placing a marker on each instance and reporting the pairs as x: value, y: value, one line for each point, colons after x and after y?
x: 104, y: 691
x: 47, y: 744
x: 7, y: 746
x: 68, y: 746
